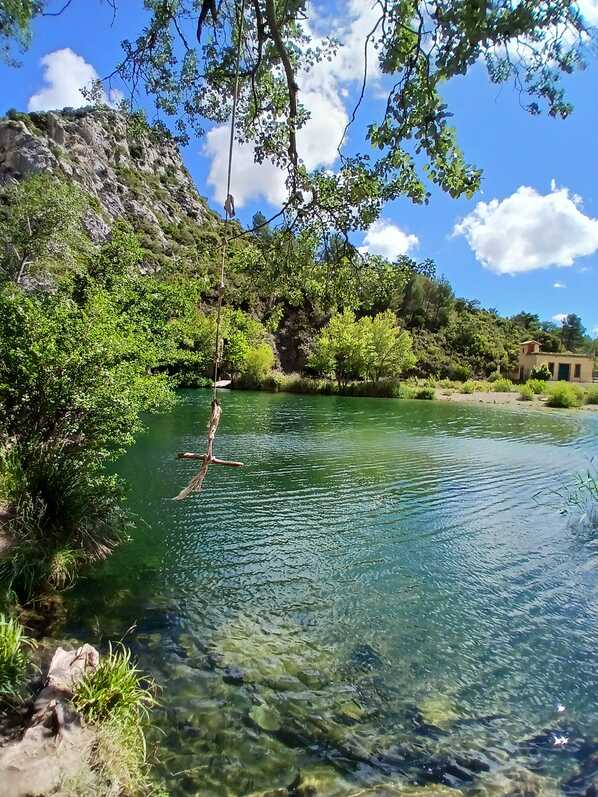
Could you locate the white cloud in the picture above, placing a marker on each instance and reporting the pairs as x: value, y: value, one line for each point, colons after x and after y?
x: 528, y: 231
x: 560, y: 317
x: 386, y: 239
x: 559, y: 285
x: 595, y: 332
x: 322, y: 91
x: 589, y: 8
x: 65, y: 74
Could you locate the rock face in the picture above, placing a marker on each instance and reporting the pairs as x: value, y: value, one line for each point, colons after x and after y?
x: 135, y: 176
x: 55, y: 745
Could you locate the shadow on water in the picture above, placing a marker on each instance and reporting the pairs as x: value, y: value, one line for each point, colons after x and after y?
x: 376, y: 598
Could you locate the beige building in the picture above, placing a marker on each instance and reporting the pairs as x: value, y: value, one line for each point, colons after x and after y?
x: 563, y: 365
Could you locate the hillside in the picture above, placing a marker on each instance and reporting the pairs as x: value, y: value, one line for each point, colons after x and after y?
x: 290, y: 283
x: 130, y: 171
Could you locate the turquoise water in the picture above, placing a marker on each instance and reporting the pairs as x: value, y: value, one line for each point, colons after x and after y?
x: 387, y: 593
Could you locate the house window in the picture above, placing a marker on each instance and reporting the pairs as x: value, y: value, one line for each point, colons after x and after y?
x: 551, y: 368
x: 578, y: 371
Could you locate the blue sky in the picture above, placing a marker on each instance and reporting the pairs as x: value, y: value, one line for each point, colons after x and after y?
x: 539, y: 200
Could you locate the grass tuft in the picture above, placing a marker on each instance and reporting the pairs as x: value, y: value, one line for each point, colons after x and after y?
x: 14, y: 659
x: 565, y: 395
x: 526, y: 393
x: 115, y: 699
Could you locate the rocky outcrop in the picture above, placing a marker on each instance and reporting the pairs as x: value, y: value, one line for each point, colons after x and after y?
x: 138, y: 176
x: 55, y: 745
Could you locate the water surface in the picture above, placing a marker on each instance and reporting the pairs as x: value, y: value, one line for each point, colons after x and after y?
x: 387, y: 593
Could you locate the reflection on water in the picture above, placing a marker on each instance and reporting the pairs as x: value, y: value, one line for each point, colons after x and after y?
x: 386, y: 594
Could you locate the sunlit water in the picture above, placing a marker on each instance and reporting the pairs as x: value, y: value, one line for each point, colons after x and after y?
x: 387, y: 593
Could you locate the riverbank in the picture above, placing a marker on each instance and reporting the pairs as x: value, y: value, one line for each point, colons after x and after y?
x: 478, y: 392
x: 494, y: 398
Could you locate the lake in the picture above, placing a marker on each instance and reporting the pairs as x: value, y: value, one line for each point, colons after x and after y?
x: 387, y: 594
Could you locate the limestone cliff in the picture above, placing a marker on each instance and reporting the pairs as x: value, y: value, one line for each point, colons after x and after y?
x: 134, y: 175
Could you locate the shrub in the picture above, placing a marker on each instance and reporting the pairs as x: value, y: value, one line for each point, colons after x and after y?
x: 461, y: 373
x: 494, y: 376
x: 592, y: 395
x: 424, y: 393
x: 13, y: 655
x: 526, y: 393
x: 563, y: 394
x: 259, y: 360
x: 503, y: 385
x: 468, y: 387
x: 537, y: 386
x: 541, y: 372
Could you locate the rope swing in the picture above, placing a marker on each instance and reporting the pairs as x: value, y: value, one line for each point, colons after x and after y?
x: 208, y: 457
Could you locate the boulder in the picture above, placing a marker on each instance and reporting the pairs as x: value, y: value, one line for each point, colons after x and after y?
x: 55, y: 745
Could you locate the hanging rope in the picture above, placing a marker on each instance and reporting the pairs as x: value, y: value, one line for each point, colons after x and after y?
x: 208, y: 458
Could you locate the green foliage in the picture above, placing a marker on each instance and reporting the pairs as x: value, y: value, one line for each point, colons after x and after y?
x: 467, y: 387
x: 14, y: 659
x: 564, y: 394
x: 388, y: 349
x: 41, y: 228
x: 592, y: 395
x: 259, y: 361
x: 537, y: 386
x: 351, y: 348
x: 340, y: 349
x: 572, y: 332
x: 115, y: 700
x: 526, y: 393
x: 503, y: 386
x: 541, y: 373
x: 15, y: 19
x: 461, y: 373
x: 424, y: 393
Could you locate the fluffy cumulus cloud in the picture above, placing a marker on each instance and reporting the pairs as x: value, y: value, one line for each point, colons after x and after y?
x: 386, y: 239
x: 559, y: 317
x: 559, y: 285
x: 589, y: 8
x: 528, y: 231
x: 323, y: 91
x: 65, y: 74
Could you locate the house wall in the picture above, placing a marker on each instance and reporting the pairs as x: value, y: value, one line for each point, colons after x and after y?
x: 529, y: 361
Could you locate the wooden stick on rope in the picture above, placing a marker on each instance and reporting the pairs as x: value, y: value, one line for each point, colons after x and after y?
x: 208, y: 458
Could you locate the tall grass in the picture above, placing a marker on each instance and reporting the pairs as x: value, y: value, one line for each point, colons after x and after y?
x: 14, y: 658
x: 503, y: 385
x: 526, y: 393
x: 66, y: 512
x: 115, y: 700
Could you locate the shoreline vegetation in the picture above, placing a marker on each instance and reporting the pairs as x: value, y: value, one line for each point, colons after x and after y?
x: 533, y: 394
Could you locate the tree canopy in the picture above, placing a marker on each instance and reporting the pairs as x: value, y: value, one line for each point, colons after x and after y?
x: 183, y: 56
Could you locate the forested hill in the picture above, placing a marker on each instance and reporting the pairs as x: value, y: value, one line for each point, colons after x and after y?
x: 126, y: 184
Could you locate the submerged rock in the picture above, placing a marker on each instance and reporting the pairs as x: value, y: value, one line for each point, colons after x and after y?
x: 365, y: 658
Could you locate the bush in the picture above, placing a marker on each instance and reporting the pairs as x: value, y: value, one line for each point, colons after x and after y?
x: 563, y: 394
x: 537, y: 386
x: 592, y: 395
x: 424, y: 393
x: 503, y: 385
x: 461, y: 373
x: 115, y: 702
x: 13, y: 655
x: 494, y: 376
x: 541, y: 372
x: 468, y: 387
x: 67, y: 513
x: 259, y: 361
x: 526, y: 393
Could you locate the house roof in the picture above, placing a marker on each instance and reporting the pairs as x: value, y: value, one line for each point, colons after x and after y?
x: 523, y: 342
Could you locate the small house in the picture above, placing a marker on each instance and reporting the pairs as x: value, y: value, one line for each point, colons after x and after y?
x: 563, y: 366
